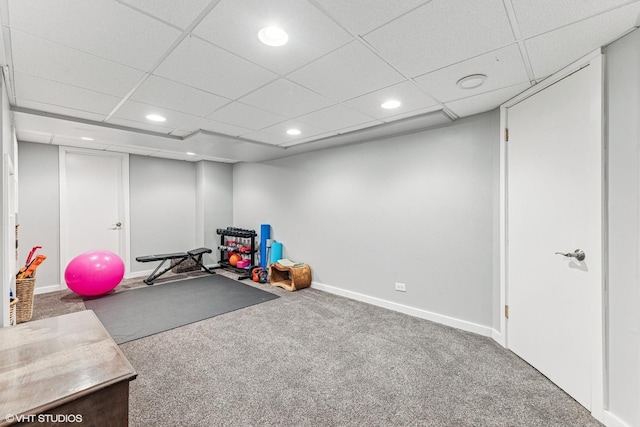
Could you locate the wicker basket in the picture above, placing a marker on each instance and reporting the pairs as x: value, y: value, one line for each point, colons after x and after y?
x: 24, y: 293
x: 13, y: 302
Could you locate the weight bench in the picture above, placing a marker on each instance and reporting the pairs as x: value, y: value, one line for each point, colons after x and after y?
x: 194, y: 254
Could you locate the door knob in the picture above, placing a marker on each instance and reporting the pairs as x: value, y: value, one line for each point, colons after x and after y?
x: 118, y: 224
x: 577, y: 254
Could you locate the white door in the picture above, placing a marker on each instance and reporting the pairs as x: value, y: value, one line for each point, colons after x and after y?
x: 93, y: 194
x: 554, y: 204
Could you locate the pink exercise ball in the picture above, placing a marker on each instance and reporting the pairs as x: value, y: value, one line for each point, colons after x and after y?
x: 94, y: 273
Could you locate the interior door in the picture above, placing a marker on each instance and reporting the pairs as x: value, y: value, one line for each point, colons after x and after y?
x: 93, y: 208
x: 554, y: 207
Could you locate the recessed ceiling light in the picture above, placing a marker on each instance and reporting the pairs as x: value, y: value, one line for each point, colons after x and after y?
x: 156, y: 118
x: 86, y: 138
x: 293, y: 132
x: 190, y: 153
x: 471, y: 82
x: 273, y: 36
x: 391, y: 104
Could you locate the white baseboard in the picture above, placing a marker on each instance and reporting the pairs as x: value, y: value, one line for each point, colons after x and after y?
x: 46, y: 289
x: 499, y: 337
x: 611, y: 420
x: 412, y: 311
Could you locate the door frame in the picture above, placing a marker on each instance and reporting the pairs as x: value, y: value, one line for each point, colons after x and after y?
x: 124, y: 191
x: 598, y: 370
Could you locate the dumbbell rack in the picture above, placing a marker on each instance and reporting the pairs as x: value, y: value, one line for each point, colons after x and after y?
x: 224, y: 249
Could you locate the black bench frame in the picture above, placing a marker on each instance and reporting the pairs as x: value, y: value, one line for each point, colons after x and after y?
x: 194, y: 254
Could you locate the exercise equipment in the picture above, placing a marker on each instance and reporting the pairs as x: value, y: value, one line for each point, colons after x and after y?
x: 276, y: 252
x: 234, y: 258
x: 259, y: 274
x: 265, y: 234
x: 180, y: 257
x: 244, y: 244
x: 94, y: 273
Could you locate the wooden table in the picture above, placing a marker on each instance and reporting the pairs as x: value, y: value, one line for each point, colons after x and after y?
x: 65, y: 368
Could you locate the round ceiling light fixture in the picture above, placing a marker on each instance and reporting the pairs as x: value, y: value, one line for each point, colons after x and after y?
x: 471, y: 82
x: 190, y: 153
x: 156, y: 118
x: 86, y: 138
x: 391, y: 104
x: 273, y: 36
x: 293, y: 132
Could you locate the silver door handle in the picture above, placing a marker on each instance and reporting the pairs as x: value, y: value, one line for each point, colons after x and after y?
x: 577, y: 254
x: 118, y: 224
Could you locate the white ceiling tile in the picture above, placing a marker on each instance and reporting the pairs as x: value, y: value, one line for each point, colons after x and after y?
x: 277, y: 134
x: 70, y: 112
x: 360, y: 17
x: 39, y: 57
x: 29, y: 136
x: 108, y: 28
x: 234, y: 26
x: 412, y: 113
x: 485, y: 101
x: 348, y: 72
x: 503, y: 67
x: 199, y: 64
x: 441, y: 33
x: 360, y: 126
x: 536, y: 17
x: 412, y: 98
x: 180, y: 14
x: 286, y: 98
x: 246, y: 116
x: 215, y: 126
x: 137, y: 112
x: 31, y: 88
x: 310, y: 139
x: 165, y: 93
x: 127, y: 123
x: 555, y: 50
x: 335, y: 117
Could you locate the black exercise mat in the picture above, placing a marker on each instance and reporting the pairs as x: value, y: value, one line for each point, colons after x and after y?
x: 140, y: 312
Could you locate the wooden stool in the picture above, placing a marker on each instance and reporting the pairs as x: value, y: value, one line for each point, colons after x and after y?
x: 290, y: 278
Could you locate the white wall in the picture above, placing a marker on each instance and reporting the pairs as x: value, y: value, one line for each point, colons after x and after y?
x: 418, y: 209
x: 215, y: 200
x: 39, y: 201
x: 8, y: 177
x: 623, y: 84
x: 163, y: 206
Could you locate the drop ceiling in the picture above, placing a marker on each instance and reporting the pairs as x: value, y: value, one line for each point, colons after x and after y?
x: 95, y: 69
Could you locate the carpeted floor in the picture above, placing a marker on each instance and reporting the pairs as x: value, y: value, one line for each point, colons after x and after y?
x: 311, y: 358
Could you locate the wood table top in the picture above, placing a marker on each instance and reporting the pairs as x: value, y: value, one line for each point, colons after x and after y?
x: 49, y: 362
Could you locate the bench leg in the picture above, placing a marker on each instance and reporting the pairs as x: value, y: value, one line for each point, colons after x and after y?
x: 153, y: 276
x: 198, y: 260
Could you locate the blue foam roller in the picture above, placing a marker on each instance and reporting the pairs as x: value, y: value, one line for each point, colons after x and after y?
x: 276, y: 252
x: 265, y: 234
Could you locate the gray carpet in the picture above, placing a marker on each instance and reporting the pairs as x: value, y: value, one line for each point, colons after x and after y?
x: 310, y: 358
x: 138, y: 313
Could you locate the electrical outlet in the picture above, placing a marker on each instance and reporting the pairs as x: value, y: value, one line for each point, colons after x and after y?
x: 401, y: 287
